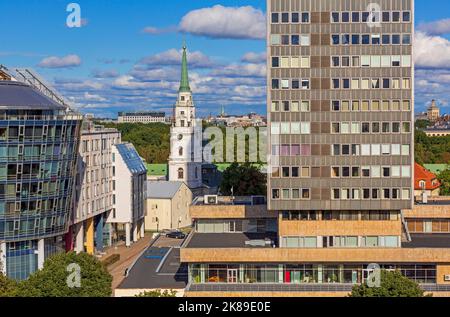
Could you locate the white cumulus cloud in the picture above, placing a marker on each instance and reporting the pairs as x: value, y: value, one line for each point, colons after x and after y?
x: 226, y: 22
x: 436, y: 28
x: 60, y: 62
x: 173, y: 57
x: 256, y: 58
x: 93, y: 97
x: 238, y: 70
x: 431, y: 51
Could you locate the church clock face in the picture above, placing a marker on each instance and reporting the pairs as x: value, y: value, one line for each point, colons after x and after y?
x: 180, y: 137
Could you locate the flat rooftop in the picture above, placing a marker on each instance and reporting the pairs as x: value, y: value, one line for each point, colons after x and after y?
x: 238, y: 240
x: 230, y: 240
x: 434, y: 203
x: 144, y: 274
x: 230, y: 201
x: 428, y: 241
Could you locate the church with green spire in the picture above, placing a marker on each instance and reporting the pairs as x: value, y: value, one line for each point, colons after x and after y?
x: 185, y: 161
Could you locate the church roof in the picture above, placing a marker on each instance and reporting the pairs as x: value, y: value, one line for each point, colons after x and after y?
x: 184, y: 84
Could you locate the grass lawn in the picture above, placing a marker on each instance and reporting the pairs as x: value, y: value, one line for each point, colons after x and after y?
x: 162, y: 169
x: 157, y: 169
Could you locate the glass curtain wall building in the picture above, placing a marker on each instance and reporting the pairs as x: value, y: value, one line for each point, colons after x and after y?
x: 38, y: 153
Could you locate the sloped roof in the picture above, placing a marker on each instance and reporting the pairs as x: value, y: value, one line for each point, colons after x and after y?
x: 422, y: 174
x: 163, y: 189
x: 17, y: 95
x: 131, y: 158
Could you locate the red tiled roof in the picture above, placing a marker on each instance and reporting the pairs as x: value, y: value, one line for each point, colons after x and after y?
x: 422, y: 174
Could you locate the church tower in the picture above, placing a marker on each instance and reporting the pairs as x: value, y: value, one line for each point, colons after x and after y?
x: 185, y: 161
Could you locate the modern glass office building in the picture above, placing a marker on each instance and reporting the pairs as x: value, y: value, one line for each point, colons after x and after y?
x: 38, y: 153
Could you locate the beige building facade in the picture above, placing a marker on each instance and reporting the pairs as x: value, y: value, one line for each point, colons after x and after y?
x: 94, y: 190
x: 167, y: 206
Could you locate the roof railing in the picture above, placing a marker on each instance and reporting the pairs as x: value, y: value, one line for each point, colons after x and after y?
x: 31, y: 78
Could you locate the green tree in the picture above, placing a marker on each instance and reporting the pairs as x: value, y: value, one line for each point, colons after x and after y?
x: 52, y: 280
x: 444, y: 178
x: 152, y: 141
x: 245, y: 179
x: 158, y: 293
x: 431, y: 150
x: 393, y: 284
x: 422, y: 124
x: 8, y: 286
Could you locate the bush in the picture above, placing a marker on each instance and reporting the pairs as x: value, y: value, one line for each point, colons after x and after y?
x: 7, y: 286
x: 393, y: 284
x: 158, y: 293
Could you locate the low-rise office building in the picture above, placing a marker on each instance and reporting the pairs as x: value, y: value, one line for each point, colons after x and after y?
x: 239, y: 248
x: 167, y: 206
x: 431, y: 219
x: 143, y: 117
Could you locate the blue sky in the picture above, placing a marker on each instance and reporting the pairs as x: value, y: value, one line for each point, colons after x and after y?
x: 126, y: 54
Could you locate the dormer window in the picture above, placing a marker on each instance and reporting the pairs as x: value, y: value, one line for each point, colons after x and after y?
x: 422, y: 184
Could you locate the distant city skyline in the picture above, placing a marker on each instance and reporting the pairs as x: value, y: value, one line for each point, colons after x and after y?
x: 126, y: 55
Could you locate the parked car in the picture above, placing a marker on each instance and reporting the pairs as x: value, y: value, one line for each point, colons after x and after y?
x: 176, y: 235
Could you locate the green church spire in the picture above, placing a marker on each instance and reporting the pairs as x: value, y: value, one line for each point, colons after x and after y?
x: 184, y: 85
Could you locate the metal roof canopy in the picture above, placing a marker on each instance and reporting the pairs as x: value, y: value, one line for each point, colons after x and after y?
x: 20, y: 96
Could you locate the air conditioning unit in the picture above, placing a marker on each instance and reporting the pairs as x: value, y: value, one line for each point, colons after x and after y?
x: 211, y: 199
x: 447, y: 278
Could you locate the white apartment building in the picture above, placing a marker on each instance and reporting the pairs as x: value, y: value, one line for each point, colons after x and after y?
x: 94, y: 191
x: 129, y: 179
